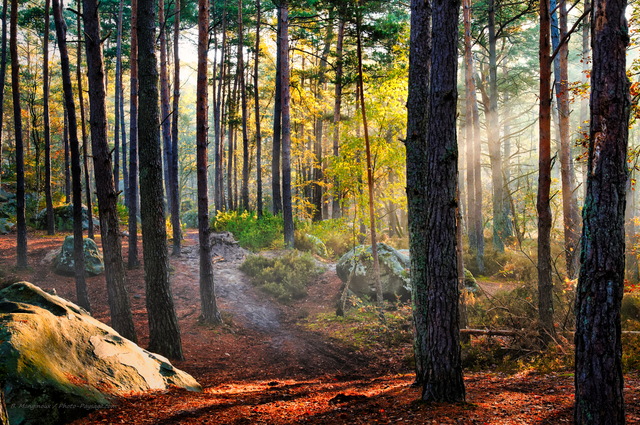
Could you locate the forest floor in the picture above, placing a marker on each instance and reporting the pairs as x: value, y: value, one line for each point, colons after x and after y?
x: 263, y: 367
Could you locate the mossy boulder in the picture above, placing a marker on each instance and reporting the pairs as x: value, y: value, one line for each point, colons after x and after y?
x: 63, y: 218
x: 394, y: 272
x: 93, y: 263
x: 6, y: 226
x: 58, y: 362
x: 9, y: 208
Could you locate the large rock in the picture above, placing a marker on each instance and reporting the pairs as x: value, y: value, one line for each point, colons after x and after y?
x: 394, y: 271
x: 63, y: 218
x: 59, y: 362
x: 224, y: 247
x: 6, y: 226
x: 93, y: 263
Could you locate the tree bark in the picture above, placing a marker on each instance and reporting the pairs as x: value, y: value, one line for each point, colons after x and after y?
x: 83, y: 128
x: 336, y: 209
x: 76, y: 172
x: 500, y: 219
x: 47, y: 123
x: 598, y: 358
x: 117, y: 88
x: 472, y: 129
x: 3, y: 70
x: 132, y: 260
x: 121, y: 318
x: 569, y: 200
x: 283, y: 53
x: 256, y: 92
x: 244, y: 202
x: 443, y: 380
x: 545, y: 282
x: 164, y: 334
x: 165, y: 120
x: 209, y: 307
x: 365, y: 125
x: 416, y: 145
x: 67, y: 159
x: 21, y: 223
x: 175, y: 190
x: 217, y: 121
x: 276, y: 187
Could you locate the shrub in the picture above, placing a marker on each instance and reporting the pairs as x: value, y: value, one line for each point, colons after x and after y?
x: 250, y: 231
x: 286, y: 277
x: 337, y: 235
x: 189, y: 219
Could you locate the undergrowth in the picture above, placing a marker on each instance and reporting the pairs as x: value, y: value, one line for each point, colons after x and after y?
x: 286, y: 277
x: 251, y: 232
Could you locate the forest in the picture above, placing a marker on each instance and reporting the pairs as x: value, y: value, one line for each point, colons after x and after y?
x: 319, y: 211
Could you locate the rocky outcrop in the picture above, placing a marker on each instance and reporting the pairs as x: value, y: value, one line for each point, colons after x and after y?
x: 394, y: 272
x: 93, y: 263
x: 63, y: 218
x: 57, y: 362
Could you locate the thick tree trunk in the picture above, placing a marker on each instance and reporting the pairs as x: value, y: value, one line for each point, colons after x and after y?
x: 276, y: 187
x: 208, y: 304
x: 164, y: 334
x: 256, y: 92
x: 132, y: 260
x: 416, y: 144
x: 335, y: 206
x: 121, y: 318
x: 443, y: 380
x: 175, y: 190
x: 598, y: 359
x: 545, y: 282
x: 47, y: 123
x: 76, y: 172
x: 283, y: 53
x: 83, y: 128
x: 21, y: 222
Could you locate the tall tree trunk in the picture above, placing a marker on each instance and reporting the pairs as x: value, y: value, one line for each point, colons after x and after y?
x: 21, y: 222
x: 335, y: 207
x: 318, y: 175
x: 208, y: 304
x: 164, y: 334
x: 165, y: 121
x: 256, y: 93
x: 76, y: 172
x: 117, y: 87
x: 586, y: 70
x: 500, y: 220
x: 175, y: 190
x: 121, y: 318
x: 598, y: 378
x: 132, y: 260
x: 372, y: 214
x: 569, y: 200
x: 217, y: 120
x: 416, y: 144
x: 123, y: 131
x: 244, y: 203
x: 3, y: 70
x: 474, y: 205
x: 283, y: 53
x: 47, y: 123
x: 276, y: 187
x: 67, y: 159
x: 443, y: 380
x: 545, y: 282
x: 83, y: 128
